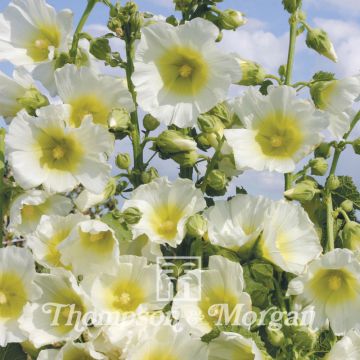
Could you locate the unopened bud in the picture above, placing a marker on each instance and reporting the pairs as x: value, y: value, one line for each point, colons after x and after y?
x: 150, y: 123
x: 186, y: 159
x: 119, y: 119
x: 217, y: 180
x: 172, y: 141
x: 123, y: 161
x: 222, y: 111
x: 351, y: 235
x: 291, y: 5
x: 231, y: 19
x: 149, y: 175
x: 320, y: 93
x: 333, y: 182
x: 319, y: 166
x: 33, y: 100
x: 132, y: 215
x: 209, y: 123
x: 323, y: 150
x: 252, y: 73
x: 305, y: 338
x: 276, y: 337
x: 182, y: 5
x: 61, y: 60
x: 99, y: 48
x: 303, y: 191
x: 356, y: 146
x: 347, y: 206
x: 196, y: 226
x: 318, y: 40
x: 172, y: 20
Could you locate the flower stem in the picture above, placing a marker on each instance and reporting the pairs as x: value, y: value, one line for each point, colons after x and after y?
x: 135, y: 132
x: 2, y: 184
x: 76, y: 37
x: 289, y: 69
x: 328, y: 197
x: 212, y: 163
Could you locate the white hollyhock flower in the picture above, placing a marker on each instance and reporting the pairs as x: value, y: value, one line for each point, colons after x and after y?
x: 233, y: 346
x: 205, y: 298
x: 45, y: 150
x: 31, y: 31
x: 346, y: 348
x: 90, y: 247
x: 50, y: 233
x: 57, y: 315
x: 289, y: 239
x: 167, y: 343
x: 134, y: 287
x: 72, y: 351
x: 337, y: 97
x: 331, y: 288
x: 280, y: 129
x: 165, y: 207
x: 27, y: 208
x: 17, y: 272
x: 180, y: 73
x: 236, y: 224
x: 90, y: 93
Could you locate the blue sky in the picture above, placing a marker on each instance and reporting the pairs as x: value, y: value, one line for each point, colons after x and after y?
x: 265, y: 39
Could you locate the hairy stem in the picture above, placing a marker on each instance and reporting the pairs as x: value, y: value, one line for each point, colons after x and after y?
x: 76, y: 37
x: 289, y: 69
x: 135, y: 132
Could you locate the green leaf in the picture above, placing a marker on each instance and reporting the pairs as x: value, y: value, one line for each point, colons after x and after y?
x: 346, y: 190
x: 12, y: 352
x: 121, y: 230
x: 323, y: 76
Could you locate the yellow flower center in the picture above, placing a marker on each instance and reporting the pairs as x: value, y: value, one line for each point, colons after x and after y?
x: 276, y: 141
x: 334, y: 286
x: 185, y: 71
x: 28, y: 211
x: 334, y: 282
x: 46, y: 36
x: 125, y: 296
x: 279, y: 135
x: 101, y: 242
x: 3, y: 298
x: 58, y: 152
x: 164, y: 220
x: 89, y: 105
x: 167, y: 228
x: 13, y: 295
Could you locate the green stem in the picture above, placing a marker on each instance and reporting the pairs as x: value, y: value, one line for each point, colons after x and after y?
x: 289, y: 69
x: 212, y: 164
x: 135, y: 132
x: 328, y: 197
x: 76, y: 37
x: 2, y: 184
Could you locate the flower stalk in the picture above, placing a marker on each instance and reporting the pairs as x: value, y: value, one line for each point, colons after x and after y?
x: 289, y: 69
x: 76, y: 37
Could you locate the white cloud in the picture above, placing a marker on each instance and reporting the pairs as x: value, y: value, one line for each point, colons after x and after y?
x: 345, y: 7
x: 253, y: 42
x: 346, y: 38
